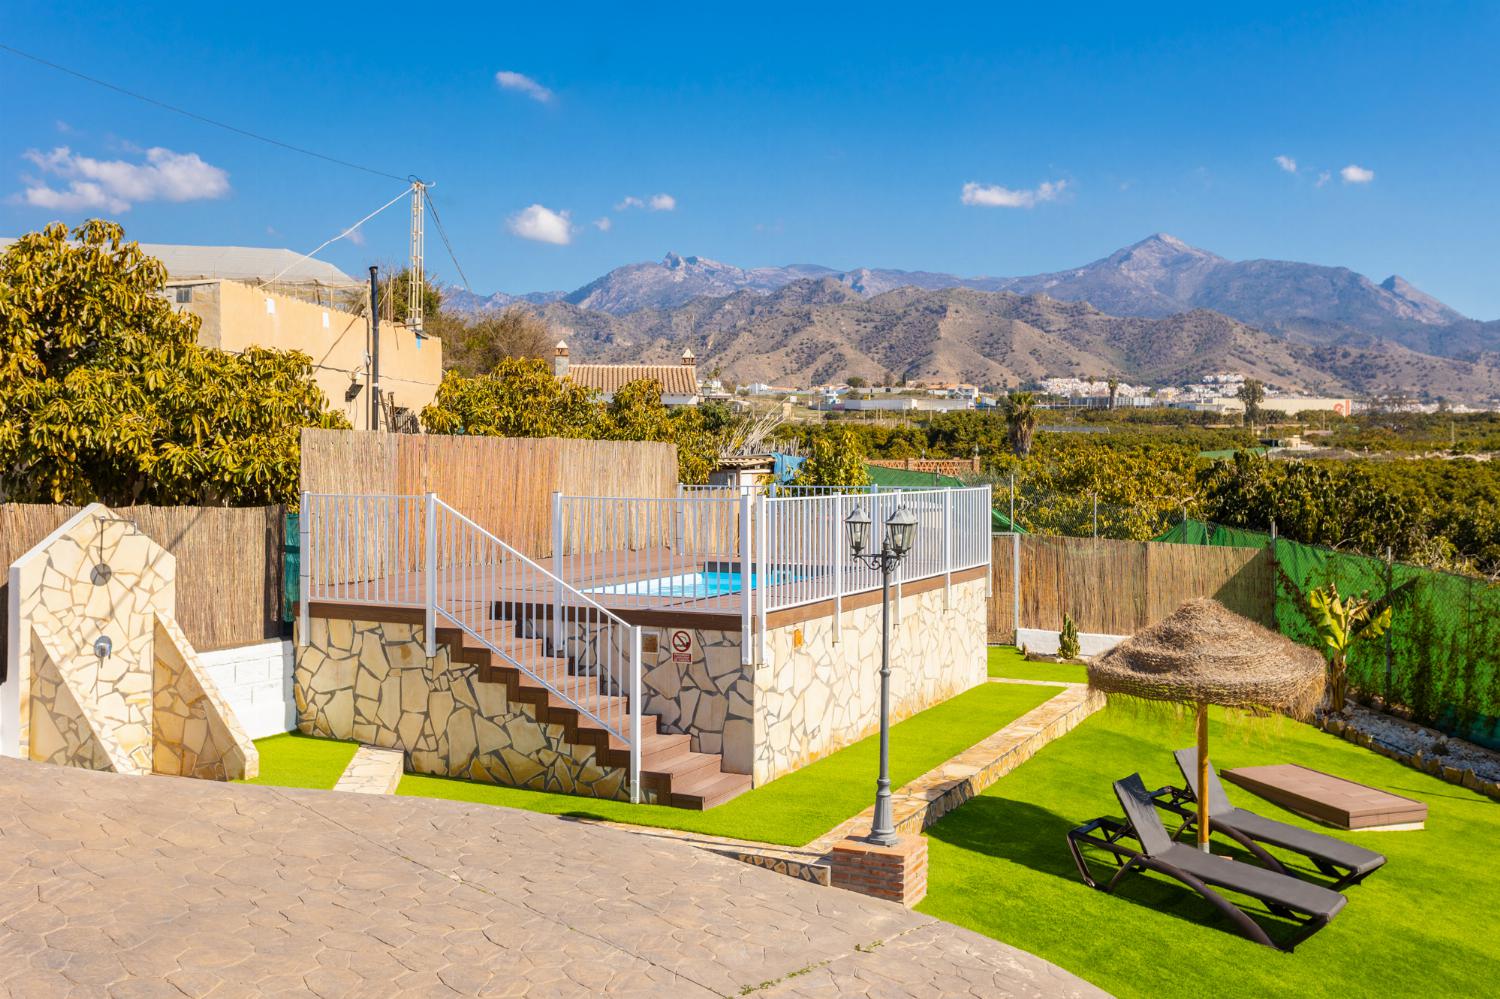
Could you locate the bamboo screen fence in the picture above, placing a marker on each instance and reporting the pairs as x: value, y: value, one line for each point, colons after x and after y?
x: 228, y: 563
x: 1119, y: 587
x: 504, y: 484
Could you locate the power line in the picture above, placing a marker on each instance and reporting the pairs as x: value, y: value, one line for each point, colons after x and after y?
x: 197, y: 117
x: 341, y: 235
x: 449, y: 246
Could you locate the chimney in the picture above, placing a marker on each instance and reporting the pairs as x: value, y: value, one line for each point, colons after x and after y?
x: 560, y: 359
x: 688, y: 359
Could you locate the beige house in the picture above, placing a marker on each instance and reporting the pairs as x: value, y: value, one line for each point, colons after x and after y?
x: 679, y: 382
x: 237, y: 315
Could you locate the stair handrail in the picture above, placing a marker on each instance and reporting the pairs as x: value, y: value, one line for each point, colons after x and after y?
x: 563, y: 595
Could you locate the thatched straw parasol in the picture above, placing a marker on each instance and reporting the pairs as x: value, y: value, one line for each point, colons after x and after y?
x: 1206, y: 654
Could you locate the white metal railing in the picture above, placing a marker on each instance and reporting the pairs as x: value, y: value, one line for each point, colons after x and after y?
x: 743, y: 551
x: 783, y: 489
x: 417, y: 551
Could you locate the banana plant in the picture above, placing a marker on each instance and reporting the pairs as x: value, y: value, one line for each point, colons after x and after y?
x: 1340, y: 622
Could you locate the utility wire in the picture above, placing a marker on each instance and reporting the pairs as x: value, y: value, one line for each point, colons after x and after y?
x: 449, y: 246
x: 196, y: 117
x: 340, y: 236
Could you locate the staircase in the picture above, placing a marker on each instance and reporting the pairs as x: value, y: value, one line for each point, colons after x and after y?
x: 670, y: 770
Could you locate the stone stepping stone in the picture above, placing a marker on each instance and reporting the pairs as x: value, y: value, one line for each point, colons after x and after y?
x: 372, y: 771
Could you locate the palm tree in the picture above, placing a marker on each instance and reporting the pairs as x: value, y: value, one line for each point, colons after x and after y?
x: 1020, y: 421
x: 1114, y: 390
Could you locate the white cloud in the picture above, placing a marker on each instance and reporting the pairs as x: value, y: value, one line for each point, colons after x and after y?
x: 542, y: 225
x: 603, y: 223
x: 115, y: 185
x: 1323, y: 177
x: 995, y: 196
x: 1287, y: 163
x: 656, y: 203
x: 509, y: 80
x: 356, y: 237
x: 1353, y: 174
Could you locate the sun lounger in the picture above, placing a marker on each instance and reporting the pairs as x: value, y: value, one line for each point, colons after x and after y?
x: 1309, y: 905
x: 1346, y: 863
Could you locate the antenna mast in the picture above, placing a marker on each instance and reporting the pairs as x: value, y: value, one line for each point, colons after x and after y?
x: 416, y: 282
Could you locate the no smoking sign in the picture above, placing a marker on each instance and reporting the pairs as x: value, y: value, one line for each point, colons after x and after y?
x: 684, y: 645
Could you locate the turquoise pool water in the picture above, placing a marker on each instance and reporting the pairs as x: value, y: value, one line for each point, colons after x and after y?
x: 687, y: 584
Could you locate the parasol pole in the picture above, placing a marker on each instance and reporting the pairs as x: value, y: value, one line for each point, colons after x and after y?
x: 1203, y: 776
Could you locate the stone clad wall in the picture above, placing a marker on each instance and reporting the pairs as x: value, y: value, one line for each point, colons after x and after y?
x: 370, y: 681
x: 818, y: 696
x: 711, y: 697
x: 97, y: 576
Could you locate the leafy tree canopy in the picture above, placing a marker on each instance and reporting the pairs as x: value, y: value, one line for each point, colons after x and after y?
x: 835, y: 460
x: 106, y: 395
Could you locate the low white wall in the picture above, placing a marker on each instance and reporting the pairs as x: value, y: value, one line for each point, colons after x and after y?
x: 256, y: 680
x: 1045, y: 642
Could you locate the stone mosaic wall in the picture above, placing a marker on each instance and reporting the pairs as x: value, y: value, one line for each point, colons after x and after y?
x: 817, y: 696
x: 709, y: 697
x: 98, y: 577
x: 194, y: 731
x: 369, y: 681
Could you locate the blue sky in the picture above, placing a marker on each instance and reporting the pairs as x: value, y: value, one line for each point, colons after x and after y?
x: 780, y: 135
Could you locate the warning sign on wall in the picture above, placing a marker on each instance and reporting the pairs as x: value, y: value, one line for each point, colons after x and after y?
x: 684, y: 645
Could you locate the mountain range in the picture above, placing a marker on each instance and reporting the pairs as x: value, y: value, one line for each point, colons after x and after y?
x: 1158, y: 310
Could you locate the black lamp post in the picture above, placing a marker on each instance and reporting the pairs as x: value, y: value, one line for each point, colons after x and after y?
x: 900, y: 530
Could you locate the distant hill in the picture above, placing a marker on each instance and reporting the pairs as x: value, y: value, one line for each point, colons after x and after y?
x: 1157, y: 277
x: 816, y: 330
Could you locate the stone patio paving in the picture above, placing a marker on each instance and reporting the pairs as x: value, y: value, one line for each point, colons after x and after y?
x: 150, y: 886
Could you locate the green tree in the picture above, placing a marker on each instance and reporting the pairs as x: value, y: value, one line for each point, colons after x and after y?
x: 1020, y: 421
x: 835, y: 460
x: 476, y: 346
x: 1114, y: 391
x: 520, y: 398
x: 1342, y: 621
x: 105, y: 393
x: 395, y: 291
x: 1252, y: 393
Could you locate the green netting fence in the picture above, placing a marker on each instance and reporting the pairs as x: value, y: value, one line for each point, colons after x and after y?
x: 1441, y: 657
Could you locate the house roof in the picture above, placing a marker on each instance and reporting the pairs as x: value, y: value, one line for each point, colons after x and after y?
x: 882, y: 476
x: 241, y: 263
x: 675, y: 379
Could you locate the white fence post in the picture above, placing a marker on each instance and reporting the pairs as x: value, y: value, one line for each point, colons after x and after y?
x: 746, y: 595
x: 1015, y: 582
x: 557, y: 570
x: 838, y: 567
x: 635, y: 715
x: 762, y: 546
x: 304, y: 567
x: 947, y: 549
x: 430, y: 621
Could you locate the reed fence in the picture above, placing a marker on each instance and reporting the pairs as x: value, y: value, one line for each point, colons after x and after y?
x: 228, y: 563
x: 1118, y: 587
x: 503, y: 484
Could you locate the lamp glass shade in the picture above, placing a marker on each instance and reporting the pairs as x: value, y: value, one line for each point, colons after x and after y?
x: 858, y: 526
x: 901, y: 530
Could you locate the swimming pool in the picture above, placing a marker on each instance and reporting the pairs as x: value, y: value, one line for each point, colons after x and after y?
x: 687, y: 584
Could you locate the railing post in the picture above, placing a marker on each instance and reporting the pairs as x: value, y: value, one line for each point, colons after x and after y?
x: 838, y: 567
x: 557, y: 571
x: 304, y: 568
x: 635, y: 715
x: 947, y: 548
x: 989, y: 544
x: 746, y: 593
x: 430, y: 566
x: 762, y: 545
x: 1015, y: 582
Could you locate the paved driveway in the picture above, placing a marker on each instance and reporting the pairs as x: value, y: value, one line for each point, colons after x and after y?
x: 157, y: 886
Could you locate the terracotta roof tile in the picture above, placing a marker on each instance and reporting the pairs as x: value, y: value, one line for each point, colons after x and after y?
x: 675, y: 379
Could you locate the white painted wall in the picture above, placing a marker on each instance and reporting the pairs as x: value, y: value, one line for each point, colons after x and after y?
x: 256, y: 680
x: 1045, y: 642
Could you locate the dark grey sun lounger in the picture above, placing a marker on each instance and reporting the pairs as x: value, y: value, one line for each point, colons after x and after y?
x: 1346, y: 863
x: 1308, y: 904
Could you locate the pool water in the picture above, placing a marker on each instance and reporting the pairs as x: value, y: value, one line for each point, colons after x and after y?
x: 687, y: 584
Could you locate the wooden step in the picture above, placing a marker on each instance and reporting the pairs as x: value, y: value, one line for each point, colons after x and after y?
x: 707, y: 792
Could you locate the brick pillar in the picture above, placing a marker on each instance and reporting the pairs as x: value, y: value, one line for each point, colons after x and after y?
x: 894, y: 873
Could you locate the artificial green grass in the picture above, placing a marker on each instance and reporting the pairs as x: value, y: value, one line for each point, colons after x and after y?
x: 1006, y: 661
x: 1427, y: 923
x: 800, y: 807
x: 297, y: 760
